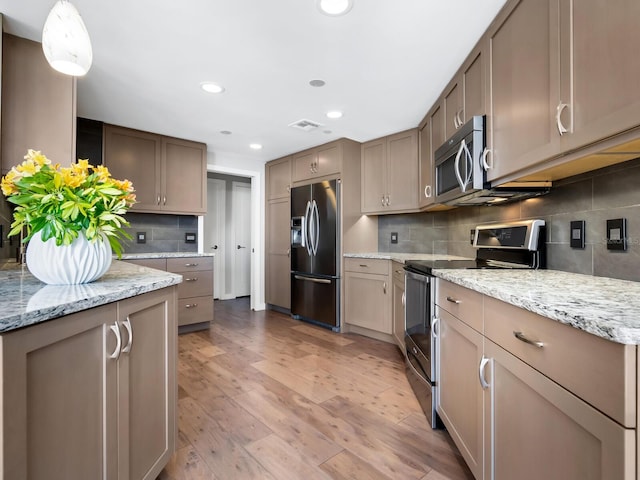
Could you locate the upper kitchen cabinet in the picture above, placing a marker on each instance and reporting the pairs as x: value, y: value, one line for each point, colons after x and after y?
x: 464, y: 96
x: 425, y: 154
x: 520, y: 115
x: 390, y: 174
x: 317, y: 162
x: 599, y: 70
x: 278, y: 178
x: 168, y: 174
x: 38, y: 105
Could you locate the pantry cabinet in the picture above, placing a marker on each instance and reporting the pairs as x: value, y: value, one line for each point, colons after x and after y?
x: 38, y: 106
x: 390, y: 174
x: 92, y: 394
x: 168, y: 174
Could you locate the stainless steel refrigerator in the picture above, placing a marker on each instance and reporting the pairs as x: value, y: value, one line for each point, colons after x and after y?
x: 315, y: 247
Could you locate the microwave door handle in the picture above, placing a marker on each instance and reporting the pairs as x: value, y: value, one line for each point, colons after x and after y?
x: 456, y: 167
x: 469, y: 159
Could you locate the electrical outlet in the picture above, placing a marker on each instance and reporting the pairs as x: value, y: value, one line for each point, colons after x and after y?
x: 141, y: 237
x: 190, y: 237
x: 577, y: 234
x: 617, y: 234
x: 394, y: 237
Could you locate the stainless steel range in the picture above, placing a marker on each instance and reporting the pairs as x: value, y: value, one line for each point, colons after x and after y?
x: 507, y: 245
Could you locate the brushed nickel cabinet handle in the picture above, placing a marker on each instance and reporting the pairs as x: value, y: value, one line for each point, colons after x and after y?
x: 127, y: 325
x: 453, y: 300
x: 191, y: 305
x: 523, y: 338
x: 559, y: 109
x: 194, y: 264
x: 191, y: 279
x: 116, y: 353
x: 384, y: 288
x: 483, y: 364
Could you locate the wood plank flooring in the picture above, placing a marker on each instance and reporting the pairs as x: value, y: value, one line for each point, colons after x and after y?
x: 263, y: 396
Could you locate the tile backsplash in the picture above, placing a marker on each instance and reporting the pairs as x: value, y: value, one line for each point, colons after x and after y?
x: 164, y: 233
x: 608, y: 193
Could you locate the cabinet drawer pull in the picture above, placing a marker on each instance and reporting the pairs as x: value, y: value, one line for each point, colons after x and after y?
x: 191, y: 305
x: 364, y: 266
x: 190, y: 264
x: 522, y: 337
x: 453, y: 300
x: 191, y: 279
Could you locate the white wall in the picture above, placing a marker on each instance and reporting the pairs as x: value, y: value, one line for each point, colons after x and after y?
x: 243, y: 166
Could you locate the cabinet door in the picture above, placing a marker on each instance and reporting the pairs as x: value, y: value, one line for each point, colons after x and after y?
x: 601, y: 59
x: 373, y: 184
x: 304, y: 165
x: 540, y: 430
x: 38, y: 105
x: 375, y: 312
x: 184, y: 183
x: 402, y: 171
x: 59, y: 416
x: 279, y: 178
x: 474, y: 86
x: 147, y: 387
x: 398, y: 306
x: 278, y: 264
x: 425, y: 166
x: 437, y: 128
x: 136, y: 156
x: 460, y: 396
x: 328, y: 160
x: 453, y: 107
x: 523, y: 66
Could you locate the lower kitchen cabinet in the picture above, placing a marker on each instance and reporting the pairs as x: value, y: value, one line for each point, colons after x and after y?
x: 459, y: 397
x: 536, y: 429
x: 368, y: 296
x: 398, y: 305
x: 92, y: 394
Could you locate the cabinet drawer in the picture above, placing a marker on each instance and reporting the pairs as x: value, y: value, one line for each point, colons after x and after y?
x: 180, y: 265
x: 367, y: 265
x: 195, y: 310
x: 398, y: 272
x: 461, y: 302
x: 196, y: 284
x: 599, y: 371
x: 157, y: 263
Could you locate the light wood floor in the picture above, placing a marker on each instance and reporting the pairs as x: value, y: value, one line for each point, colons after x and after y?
x: 262, y: 396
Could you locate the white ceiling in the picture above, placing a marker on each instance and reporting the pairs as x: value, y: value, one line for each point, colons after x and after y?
x: 384, y: 65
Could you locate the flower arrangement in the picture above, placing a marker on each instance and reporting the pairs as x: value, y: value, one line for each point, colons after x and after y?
x: 62, y: 202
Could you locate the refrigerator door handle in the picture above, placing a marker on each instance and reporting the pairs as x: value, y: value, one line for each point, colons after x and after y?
x: 316, y: 216
x: 305, y: 225
x: 314, y: 280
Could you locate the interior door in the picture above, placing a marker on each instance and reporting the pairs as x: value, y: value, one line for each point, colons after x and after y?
x: 241, y: 272
x: 214, y: 231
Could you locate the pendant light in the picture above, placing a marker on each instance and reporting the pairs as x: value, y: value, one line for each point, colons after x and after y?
x: 65, y: 40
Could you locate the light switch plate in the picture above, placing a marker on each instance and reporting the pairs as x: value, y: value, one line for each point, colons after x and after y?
x: 617, y: 234
x: 577, y: 234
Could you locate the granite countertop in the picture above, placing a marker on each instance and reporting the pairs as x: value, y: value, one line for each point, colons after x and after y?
x: 403, y: 257
x: 606, y: 307
x: 133, y: 256
x: 28, y: 301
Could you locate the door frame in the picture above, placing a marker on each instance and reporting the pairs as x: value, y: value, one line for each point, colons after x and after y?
x: 257, y: 229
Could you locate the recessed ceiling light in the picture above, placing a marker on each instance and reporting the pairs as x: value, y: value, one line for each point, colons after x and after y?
x: 225, y: 132
x: 334, y: 114
x: 211, y: 87
x: 317, y: 83
x: 255, y: 146
x: 334, y: 8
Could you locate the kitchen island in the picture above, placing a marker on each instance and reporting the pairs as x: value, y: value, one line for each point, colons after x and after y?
x: 88, y: 374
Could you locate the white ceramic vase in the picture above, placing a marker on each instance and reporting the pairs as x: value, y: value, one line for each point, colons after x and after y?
x: 81, y: 262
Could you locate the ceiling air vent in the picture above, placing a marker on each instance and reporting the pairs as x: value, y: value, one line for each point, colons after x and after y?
x: 306, y: 125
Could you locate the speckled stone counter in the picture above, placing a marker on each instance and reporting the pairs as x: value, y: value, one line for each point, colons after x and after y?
x: 133, y: 256
x: 27, y: 301
x: 403, y: 257
x: 605, y: 307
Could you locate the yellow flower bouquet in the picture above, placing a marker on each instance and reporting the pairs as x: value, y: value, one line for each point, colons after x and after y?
x: 62, y: 202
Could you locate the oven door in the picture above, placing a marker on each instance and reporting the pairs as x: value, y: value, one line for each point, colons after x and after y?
x: 418, y: 314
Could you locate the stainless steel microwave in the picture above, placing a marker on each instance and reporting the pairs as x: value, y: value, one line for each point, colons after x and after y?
x: 458, y: 162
